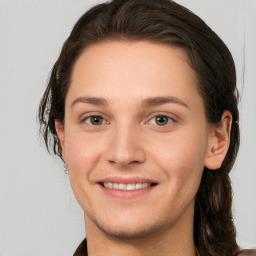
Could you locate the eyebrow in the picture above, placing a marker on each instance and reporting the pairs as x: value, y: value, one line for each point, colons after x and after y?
x: 149, y: 102
x: 156, y: 101
x: 90, y: 100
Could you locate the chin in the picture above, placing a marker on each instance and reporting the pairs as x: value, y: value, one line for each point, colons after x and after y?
x: 129, y: 231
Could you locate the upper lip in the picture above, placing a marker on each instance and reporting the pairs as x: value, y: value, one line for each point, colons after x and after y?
x: 127, y: 180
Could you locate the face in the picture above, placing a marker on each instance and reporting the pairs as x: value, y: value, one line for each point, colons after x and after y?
x: 135, y: 137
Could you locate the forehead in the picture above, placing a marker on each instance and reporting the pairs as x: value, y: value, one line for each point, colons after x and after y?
x: 133, y: 69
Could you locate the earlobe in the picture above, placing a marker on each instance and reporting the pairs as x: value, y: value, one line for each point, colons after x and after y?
x: 218, y: 142
x: 59, y: 126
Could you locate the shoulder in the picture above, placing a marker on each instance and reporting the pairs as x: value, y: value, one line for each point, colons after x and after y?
x: 247, y: 253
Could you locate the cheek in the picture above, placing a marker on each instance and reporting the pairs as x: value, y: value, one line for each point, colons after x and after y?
x: 182, y: 150
x: 182, y: 158
x: 82, y: 152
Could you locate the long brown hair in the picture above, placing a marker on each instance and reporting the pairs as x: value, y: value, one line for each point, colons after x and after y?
x: 164, y: 22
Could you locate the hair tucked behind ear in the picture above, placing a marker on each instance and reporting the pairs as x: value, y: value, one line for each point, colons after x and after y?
x: 214, y: 231
x: 165, y: 22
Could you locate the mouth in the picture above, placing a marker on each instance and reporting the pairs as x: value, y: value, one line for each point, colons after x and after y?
x: 127, y: 186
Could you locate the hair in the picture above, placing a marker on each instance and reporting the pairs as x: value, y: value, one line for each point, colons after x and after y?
x: 164, y: 22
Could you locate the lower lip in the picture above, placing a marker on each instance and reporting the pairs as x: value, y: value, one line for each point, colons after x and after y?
x: 126, y: 194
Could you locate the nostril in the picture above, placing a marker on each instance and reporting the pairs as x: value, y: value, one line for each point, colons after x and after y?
x: 134, y: 163
x: 123, y: 163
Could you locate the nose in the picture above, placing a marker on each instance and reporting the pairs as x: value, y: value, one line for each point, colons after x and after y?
x: 125, y: 147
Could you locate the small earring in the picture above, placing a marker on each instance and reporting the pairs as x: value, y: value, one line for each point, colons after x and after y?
x: 66, y: 168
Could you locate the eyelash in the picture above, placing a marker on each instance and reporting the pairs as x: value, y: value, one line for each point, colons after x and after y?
x: 89, y: 120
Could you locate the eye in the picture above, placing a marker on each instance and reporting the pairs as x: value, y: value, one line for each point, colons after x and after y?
x: 94, y: 120
x: 161, y: 120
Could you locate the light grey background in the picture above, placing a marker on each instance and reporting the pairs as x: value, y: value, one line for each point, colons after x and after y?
x: 38, y: 213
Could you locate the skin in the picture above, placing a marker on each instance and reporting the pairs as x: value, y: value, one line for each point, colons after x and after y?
x: 129, y: 143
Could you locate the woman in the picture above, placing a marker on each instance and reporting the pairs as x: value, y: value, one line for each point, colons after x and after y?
x: 141, y: 106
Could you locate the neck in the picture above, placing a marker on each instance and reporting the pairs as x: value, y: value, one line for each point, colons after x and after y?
x: 177, y: 241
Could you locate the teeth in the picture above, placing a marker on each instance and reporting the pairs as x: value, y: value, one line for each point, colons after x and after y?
x: 115, y: 186
x: 131, y: 186
x: 122, y: 186
x: 138, y: 185
x: 110, y: 185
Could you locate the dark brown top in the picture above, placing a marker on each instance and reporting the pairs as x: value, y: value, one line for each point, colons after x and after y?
x: 247, y: 253
x: 82, y: 251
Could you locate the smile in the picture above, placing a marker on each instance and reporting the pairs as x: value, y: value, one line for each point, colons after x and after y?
x: 130, y: 186
x: 126, y: 187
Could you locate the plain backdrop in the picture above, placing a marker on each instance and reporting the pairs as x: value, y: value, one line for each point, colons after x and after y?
x: 38, y: 213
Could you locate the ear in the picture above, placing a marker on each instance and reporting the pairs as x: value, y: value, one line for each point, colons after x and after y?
x: 59, y: 126
x: 218, y: 142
